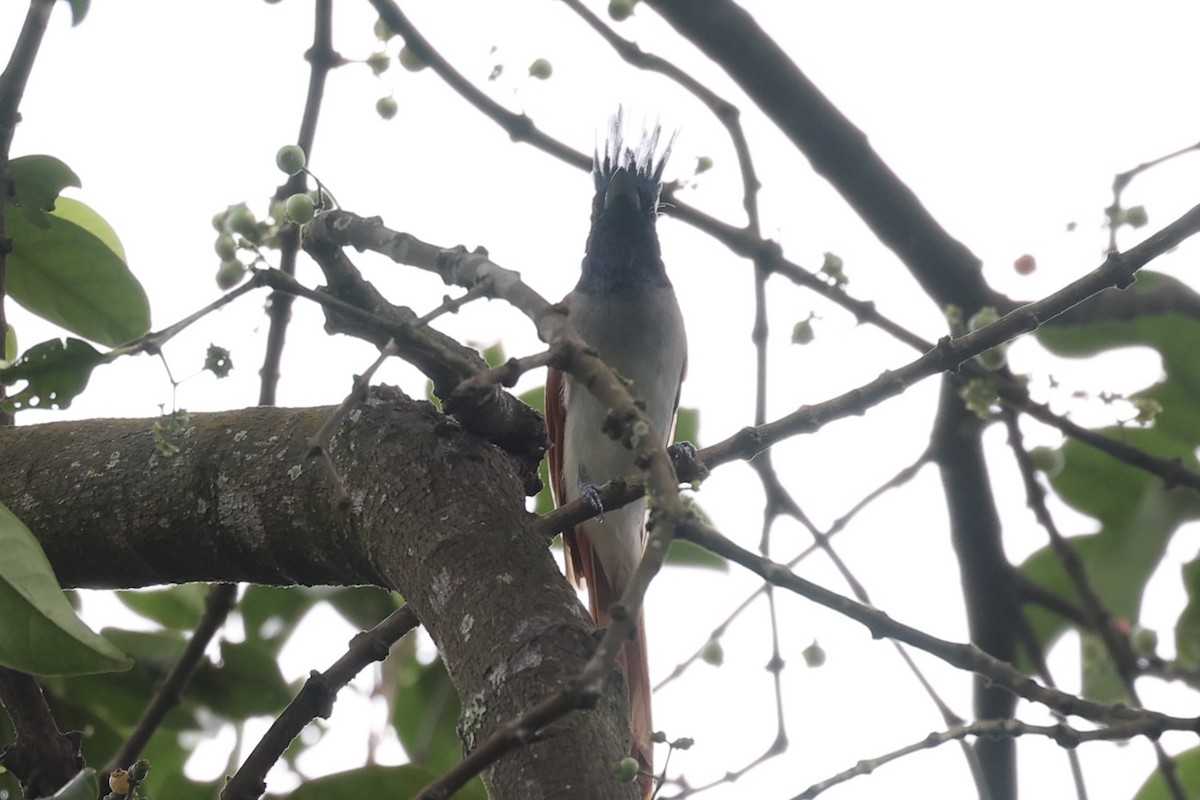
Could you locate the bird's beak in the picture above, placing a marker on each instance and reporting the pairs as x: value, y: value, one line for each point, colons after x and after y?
x: 621, y: 185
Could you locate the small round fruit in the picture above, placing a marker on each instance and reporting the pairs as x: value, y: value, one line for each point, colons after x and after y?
x: 627, y: 769
x: 814, y: 655
x: 703, y: 164
x: 1025, y: 265
x: 620, y: 9
x: 240, y: 220
x: 1049, y: 460
x: 1135, y: 217
x: 541, y: 69
x: 226, y: 247
x: 382, y: 31
x: 387, y: 107
x: 300, y: 208
x: 290, y: 159
x: 713, y: 653
x: 410, y: 60
x: 802, y: 332
x: 230, y: 274
x: 119, y: 782
x: 379, y: 62
x: 1144, y: 641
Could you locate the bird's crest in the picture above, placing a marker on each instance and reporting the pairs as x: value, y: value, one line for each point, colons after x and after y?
x: 644, y: 163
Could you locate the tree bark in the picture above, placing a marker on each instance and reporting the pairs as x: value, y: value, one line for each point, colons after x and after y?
x: 434, y: 512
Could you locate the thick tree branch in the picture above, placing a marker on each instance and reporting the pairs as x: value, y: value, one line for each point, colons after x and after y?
x: 42, y: 758
x: 434, y: 512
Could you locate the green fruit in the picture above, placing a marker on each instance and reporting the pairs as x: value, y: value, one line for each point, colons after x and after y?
x: 834, y: 267
x: 802, y: 332
x: 620, y: 9
x: 386, y: 107
x: 300, y: 208
x: 226, y: 247
x: 1144, y: 641
x: 713, y: 653
x: 984, y: 316
x: 410, y: 60
x: 814, y: 655
x: 1049, y: 460
x: 1134, y: 217
x: 230, y: 274
x: 541, y: 69
x: 379, y: 62
x: 627, y: 769
x: 996, y: 357
x: 240, y: 220
x: 382, y: 31
x: 290, y: 159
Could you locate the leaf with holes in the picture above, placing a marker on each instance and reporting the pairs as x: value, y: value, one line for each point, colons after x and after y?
x: 54, y: 372
x: 37, y: 182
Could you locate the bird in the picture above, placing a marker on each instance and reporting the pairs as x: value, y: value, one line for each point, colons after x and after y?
x: 624, y: 307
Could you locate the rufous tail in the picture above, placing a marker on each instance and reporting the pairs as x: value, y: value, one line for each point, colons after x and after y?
x: 585, y: 569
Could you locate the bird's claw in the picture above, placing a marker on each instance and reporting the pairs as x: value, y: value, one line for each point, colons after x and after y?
x: 683, y: 454
x: 682, y: 451
x: 591, y: 493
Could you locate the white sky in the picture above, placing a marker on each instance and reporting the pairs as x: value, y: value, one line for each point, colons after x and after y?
x: 1008, y: 125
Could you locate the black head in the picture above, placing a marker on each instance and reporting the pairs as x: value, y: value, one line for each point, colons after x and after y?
x: 622, y: 248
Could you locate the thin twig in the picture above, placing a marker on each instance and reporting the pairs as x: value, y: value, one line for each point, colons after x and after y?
x: 316, y: 699
x: 12, y: 89
x: 218, y: 602
x: 322, y: 58
x: 963, y: 656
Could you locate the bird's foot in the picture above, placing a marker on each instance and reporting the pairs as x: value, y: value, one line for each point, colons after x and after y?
x: 591, y: 493
x: 683, y: 454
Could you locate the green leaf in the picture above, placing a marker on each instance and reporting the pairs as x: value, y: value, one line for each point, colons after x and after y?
x: 248, y: 682
x: 154, y: 651
x: 73, y: 273
x: 494, y: 355
x: 83, y: 786
x: 686, y: 554
x: 535, y: 399
x: 270, y: 614
x: 178, y: 608
x: 1186, y: 766
x: 79, y: 9
x: 426, y: 714
x: 1187, y: 629
x: 37, y: 182
x: 687, y: 426
x: 217, y: 361
x: 39, y: 632
x: 405, y: 781
x: 364, y: 606
x: 54, y: 374
x: 10, y: 345
x: 1137, y: 514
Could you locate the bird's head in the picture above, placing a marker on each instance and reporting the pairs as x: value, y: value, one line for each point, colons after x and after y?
x: 622, y: 248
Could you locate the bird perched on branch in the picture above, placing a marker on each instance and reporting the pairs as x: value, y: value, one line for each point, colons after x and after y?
x: 624, y: 307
